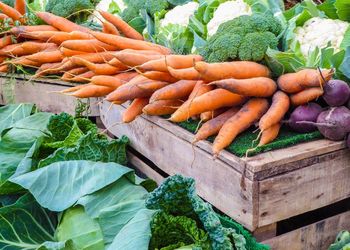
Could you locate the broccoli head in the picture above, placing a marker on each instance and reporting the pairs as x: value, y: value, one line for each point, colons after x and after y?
x: 243, y: 38
x: 154, y: 6
x: 77, y: 10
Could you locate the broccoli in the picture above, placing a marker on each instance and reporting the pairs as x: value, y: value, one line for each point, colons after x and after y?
x: 244, y: 38
x: 78, y: 10
x: 154, y: 6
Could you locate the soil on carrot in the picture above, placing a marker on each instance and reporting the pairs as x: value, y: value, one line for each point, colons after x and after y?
x: 245, y: 141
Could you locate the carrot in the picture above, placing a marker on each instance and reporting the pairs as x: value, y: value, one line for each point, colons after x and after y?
x: 4, y: 17
x: 20, y: 6
x: 159, y: 76
x: 26, y: 48
x: 124, y: 27
x: 57, y: 37
x: 134, y: 110
x: 107, y: 81
x: 213, y: 126
x: 215, y: 99
x: 199, y: 89
x: 67, y: 76
x: 251, y: 112
x: 162, y: 107
x: 90, y: 46
x: 238, y: 70
x: 116, y: 63
x: 206, y: 116
x: 306, y: 96
x: 110, y: 28
x: 10, y: 12
x: 142, y: 52
x: 173, y: 61
x: 279, y: 107
x: 295, y: 82
x: 185, y: 74
x: 269, y: 134
x: 46, y: 69
x: 4, y: 68
x: 127, y: 43
x: 179, y: 90
x: 60, y: 23
x: 99, y: 69
x: 84, y: 77
x: 68, y: 52
x: 3, y: 58
x: 73, y: 89
x: 66, y: 65
x: 256, y: 87
x: 80, y: 35
x: 152, y: 85
x: 101, y: 57
x: 46, y: 56
x: 92, y: 91
x: 18, y: 30
x: 126, y: 76
x: 25, y: 62
x: 133, y: 59
x: 4, y: 41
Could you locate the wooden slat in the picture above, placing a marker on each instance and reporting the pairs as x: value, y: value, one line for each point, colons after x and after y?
x: 306, y: 189
x: 216, y: 181
x: 38, y: 92
x: 317, y: 236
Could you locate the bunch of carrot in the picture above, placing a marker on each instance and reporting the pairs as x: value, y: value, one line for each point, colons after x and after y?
x: 228, y: 98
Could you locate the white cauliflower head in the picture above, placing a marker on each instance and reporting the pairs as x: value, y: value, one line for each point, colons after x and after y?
x: 104, y: 6
x: 227, y: 11
x: 180, y: 14
x: 319, y: 32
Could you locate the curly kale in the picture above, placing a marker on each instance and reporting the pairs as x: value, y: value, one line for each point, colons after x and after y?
x: 172, y: 232
x: 60, y: 126
x: 86, y: 125
x: 243, y: 38
x: 177, y: 196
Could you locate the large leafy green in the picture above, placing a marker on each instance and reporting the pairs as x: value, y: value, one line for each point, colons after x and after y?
x: 15, y: 144
x: 12, y: 113
x: 78, y: 227
x: 26, y: 225
x: 59, y: 185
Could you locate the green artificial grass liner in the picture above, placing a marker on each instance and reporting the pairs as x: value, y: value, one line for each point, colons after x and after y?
x: 244, y: 142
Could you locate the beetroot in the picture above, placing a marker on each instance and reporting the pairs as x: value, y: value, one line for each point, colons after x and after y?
x: 309, y: 113
x: 334, y: 124
x: 336, y: 93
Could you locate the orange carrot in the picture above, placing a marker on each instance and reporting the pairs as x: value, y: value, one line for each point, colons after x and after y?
x: 99, y: 69
x: 26, y: 48
x: 251, y: 112
x: 46, y: 69
x: 142, y: 52
x: 92, y: 91
x: 110, y: 28
x: 68, y: 52
x: 279, y: 107
x: 20, y: 6
x: 18, y: 30
x: 10, y: 12
x: 133, y: 59
x: 213, y: 126
x: 152, y: 85
x: 159, y: 76
x: 295, y: 82
x: 162, y: 107
x: 4, y: 68
x: 126, y: 76
x: 84, y: 77
x: 73, y: 72
x: 127, y: 43
x: 73, y: 89
x: 4, y: 41
x: 257, y: 86
x: 46, y: 56
x: 107, y: 81
x: 134, y: 110
x: 215, y: 99
x: 25, y: 62
x: 124, y: 27
x: 90, y: 46
x: 102, y: 57
x: 306, y: 96
x: 3, y: 58
x: 173, y: 61
x: 60, y: 23
x: 269, y: 134
x: 116, y: 63
x: 206, y: 116
x: 199, y: 89
x: 179, y: 90
x: 185, y: 74
x: 57, y: 37
x: 238, y: 70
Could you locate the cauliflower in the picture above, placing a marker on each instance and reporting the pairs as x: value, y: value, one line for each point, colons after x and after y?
x: 180, y: 14
x: 319, y: 32
x: 227, y: 11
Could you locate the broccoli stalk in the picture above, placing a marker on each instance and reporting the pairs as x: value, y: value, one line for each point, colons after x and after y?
x: 245, y: 38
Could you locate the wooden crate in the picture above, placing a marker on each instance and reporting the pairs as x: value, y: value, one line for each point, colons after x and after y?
x: 39, y: 91
x: 278, y: 185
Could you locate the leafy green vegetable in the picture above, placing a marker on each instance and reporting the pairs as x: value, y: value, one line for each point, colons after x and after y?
x: 66, y: 182
x: 70, y: 228
x: 12, y: 113
x: 342, y: 242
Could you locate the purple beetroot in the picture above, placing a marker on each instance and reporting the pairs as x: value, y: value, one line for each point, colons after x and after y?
x: 305, y: 113
x: 336, y: 93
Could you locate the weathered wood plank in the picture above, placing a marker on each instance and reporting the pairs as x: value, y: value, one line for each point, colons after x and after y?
x: 266, y: 232
x: 40, y: 92
x: 216, y: 181
x: 317, y: 236
x: 306, y: 189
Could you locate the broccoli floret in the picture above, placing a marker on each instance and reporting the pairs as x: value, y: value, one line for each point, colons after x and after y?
x: 243, y: 38
x: 69, y: 8
x: 154, y: 6
x: 60, y: 126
